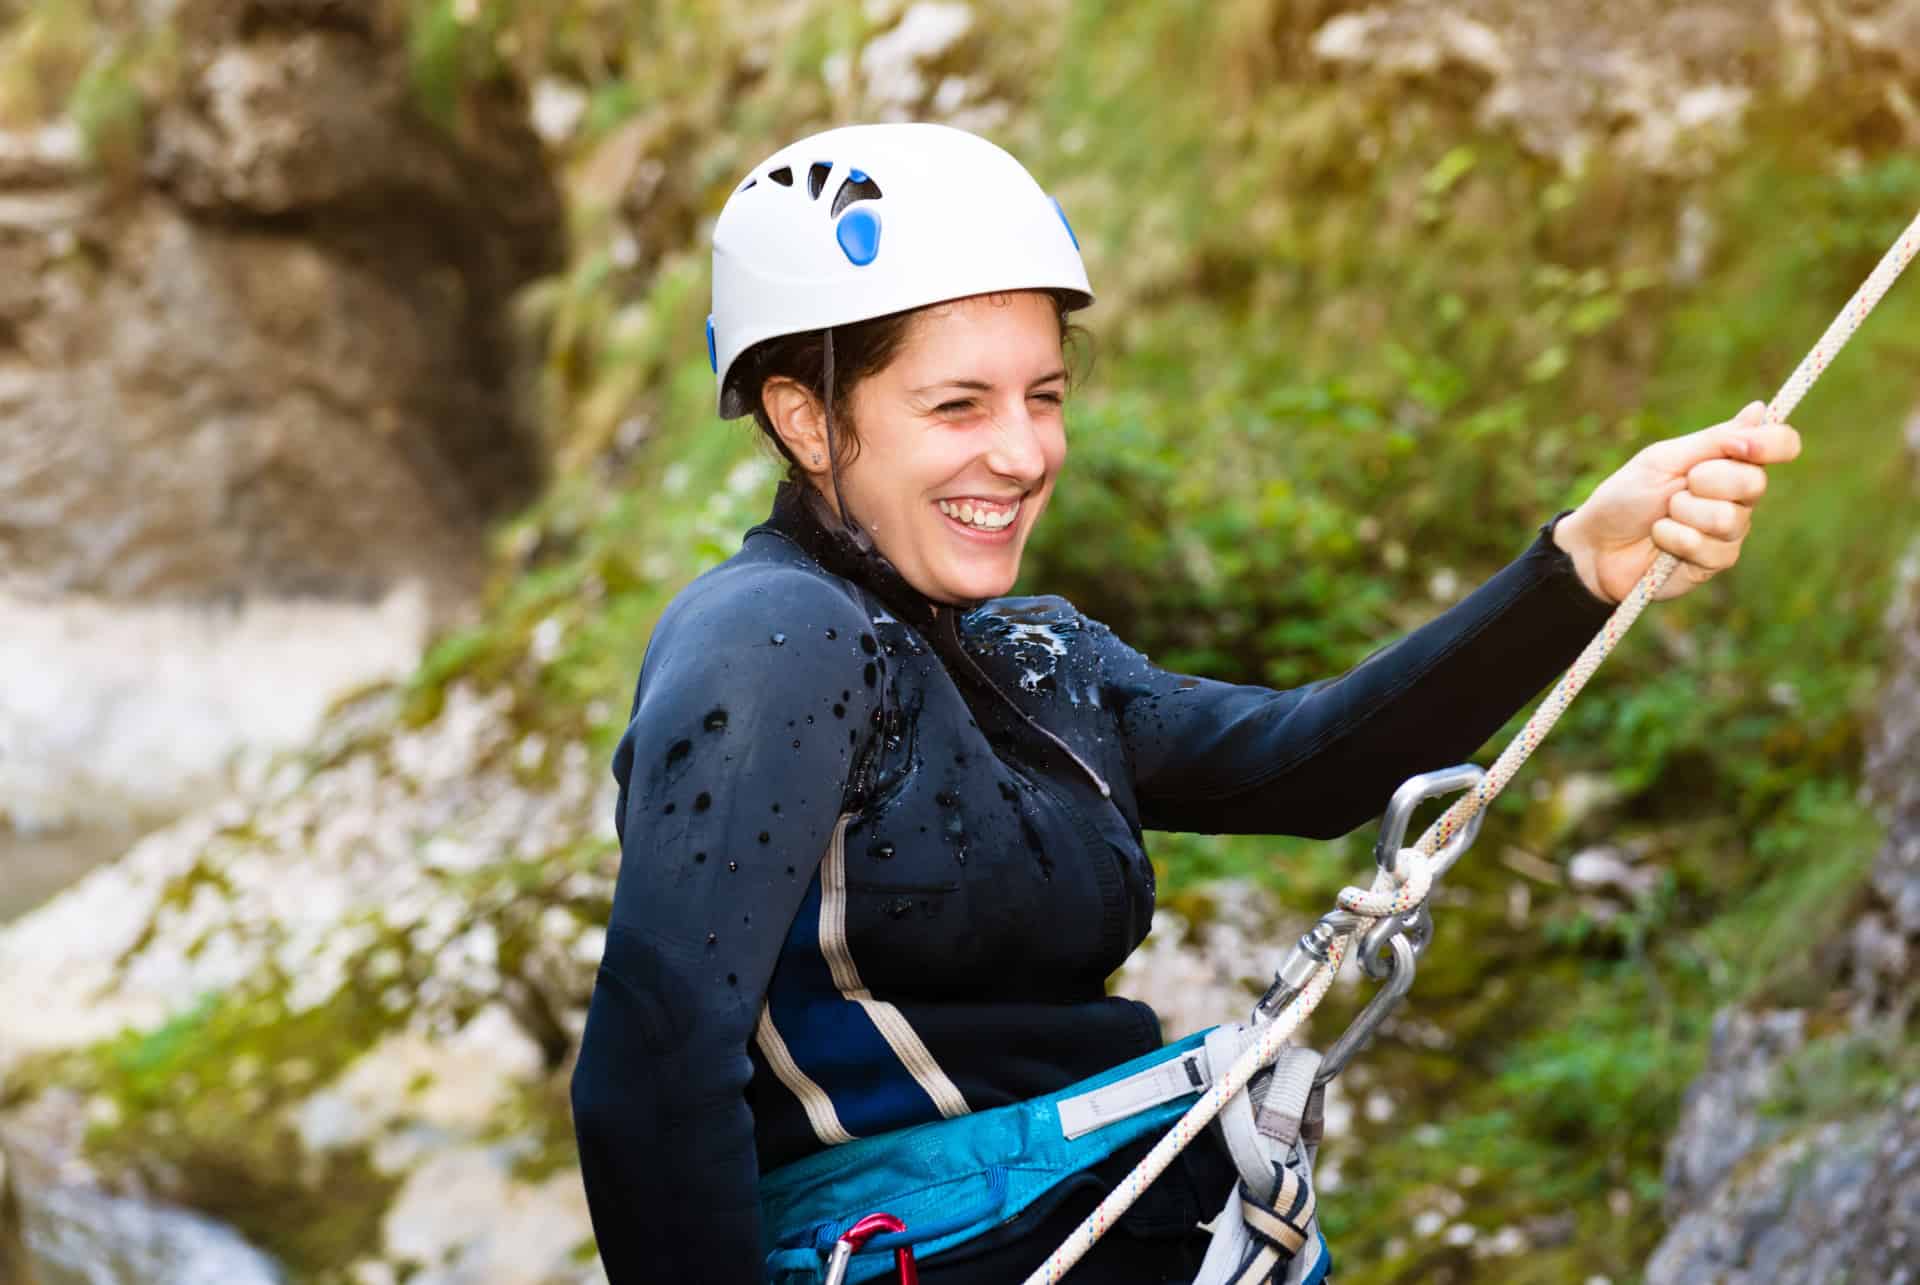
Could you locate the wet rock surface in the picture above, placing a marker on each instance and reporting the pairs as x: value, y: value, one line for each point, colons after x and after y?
x: 71, y: 1231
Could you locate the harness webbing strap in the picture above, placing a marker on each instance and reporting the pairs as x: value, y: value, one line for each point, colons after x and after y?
x: 1284, y: 1223
x: 1149, y: 1088
x: 1412, y: 865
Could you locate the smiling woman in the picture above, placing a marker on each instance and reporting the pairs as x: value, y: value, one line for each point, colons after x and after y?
x: 955, y: 443
x: 881, y: 827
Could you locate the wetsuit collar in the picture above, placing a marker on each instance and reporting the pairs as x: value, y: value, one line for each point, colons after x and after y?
x: 801, y: 515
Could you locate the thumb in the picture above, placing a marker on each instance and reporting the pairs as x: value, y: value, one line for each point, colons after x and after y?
x: 1729, y: 440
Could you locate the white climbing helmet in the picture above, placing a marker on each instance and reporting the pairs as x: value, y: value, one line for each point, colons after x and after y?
x: 867, y: 220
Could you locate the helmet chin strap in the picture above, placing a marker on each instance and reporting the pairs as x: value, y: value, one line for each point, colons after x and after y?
x: 848, y: 523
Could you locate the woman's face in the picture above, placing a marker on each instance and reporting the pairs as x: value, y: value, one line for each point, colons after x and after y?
x: 961, y: 439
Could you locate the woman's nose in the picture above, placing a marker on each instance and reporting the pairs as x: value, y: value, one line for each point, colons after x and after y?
x: 1016, y: 451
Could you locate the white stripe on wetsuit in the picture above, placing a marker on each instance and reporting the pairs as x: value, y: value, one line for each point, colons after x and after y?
x: 890, y: 1021
x: 819, y: 1107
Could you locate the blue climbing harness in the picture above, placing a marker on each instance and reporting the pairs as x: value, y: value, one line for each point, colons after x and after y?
x: 951, y: 1180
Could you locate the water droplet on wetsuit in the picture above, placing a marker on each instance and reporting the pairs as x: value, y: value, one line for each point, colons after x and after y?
x: 713, y: 939
x: 946, y: 798
x: 702, y: 801
x: 870, y: 673
x: 765, y: 837
x: 733, y: 867
x: 778, y: 640
x: 839, y: 711
x: 716, y: 720
x: 699, y: 858
x: 881, y: 851
x: 678, y: 750
x: 832, y: 634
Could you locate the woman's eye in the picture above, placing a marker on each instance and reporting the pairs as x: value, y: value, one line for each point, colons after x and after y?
x: 1052, y: 399
x: 953, y: 408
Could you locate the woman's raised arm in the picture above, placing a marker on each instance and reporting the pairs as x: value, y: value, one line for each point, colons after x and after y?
x: 1220, y: 758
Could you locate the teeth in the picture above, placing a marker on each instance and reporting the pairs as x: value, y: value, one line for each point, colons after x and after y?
x: 983, y: 518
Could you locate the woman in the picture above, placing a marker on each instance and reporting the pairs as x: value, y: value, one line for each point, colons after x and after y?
x: 881, y: 829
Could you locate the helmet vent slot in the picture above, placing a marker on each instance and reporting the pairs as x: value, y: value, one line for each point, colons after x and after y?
x: 857, y: 187
x: 817, y: 177
x: 783, y: 176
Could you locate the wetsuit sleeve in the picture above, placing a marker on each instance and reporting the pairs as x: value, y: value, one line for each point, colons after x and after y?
x: 1220, y: 758
x: 732, y: 772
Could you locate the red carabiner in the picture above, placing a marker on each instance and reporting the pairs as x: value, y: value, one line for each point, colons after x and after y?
x: 857, y: 1236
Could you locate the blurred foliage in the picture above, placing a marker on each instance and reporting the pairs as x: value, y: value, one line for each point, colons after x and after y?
x: 1352, y: 348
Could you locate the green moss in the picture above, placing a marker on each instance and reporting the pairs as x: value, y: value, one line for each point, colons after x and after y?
x: 1846, y: 1074
x: 199, y: 1115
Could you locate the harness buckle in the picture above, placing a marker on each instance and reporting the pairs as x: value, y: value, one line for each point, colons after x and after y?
x: 855, y: 1238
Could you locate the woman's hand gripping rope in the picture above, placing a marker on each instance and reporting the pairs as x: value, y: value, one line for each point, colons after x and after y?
x: 1691, y: 497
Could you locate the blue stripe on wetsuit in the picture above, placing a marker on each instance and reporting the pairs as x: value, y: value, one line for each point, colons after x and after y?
x: 833, y: 1040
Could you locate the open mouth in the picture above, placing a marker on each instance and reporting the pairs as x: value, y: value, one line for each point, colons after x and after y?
x: 981, y: 517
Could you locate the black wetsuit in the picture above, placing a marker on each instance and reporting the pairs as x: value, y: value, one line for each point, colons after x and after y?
x: 880, y: 856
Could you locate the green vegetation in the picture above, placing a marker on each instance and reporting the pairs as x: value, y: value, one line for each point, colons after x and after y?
x: 196, y: 1108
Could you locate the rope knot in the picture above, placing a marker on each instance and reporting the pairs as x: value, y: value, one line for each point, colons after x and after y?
x: 1393, y: 893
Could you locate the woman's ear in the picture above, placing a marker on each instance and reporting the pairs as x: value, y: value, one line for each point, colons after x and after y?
x: 796, y: 414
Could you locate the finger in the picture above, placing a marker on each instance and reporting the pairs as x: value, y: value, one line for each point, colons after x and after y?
x: 1676, y: 455
x: 1718, y: 519
x: 1694, y: 547
x: 1746, y: 436
x: 1772, y: 444
x: 1728, y: 480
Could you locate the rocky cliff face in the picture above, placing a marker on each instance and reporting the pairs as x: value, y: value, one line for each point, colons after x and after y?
x: 1760, y: 1193
x: 276, y: 359
x: 258, y: 387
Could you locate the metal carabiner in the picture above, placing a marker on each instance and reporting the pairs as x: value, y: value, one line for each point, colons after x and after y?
x: 855, y: 1238
x: 1416, y: 790
x: 1417, y: 924
x: 1400, y: 966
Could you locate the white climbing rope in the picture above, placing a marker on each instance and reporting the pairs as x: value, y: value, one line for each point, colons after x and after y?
x: 1407, y: 887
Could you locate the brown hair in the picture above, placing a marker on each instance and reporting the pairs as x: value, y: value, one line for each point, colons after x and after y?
x: 860, y: 349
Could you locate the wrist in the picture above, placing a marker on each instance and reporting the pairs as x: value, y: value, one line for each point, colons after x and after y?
x: 1570, y: 534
